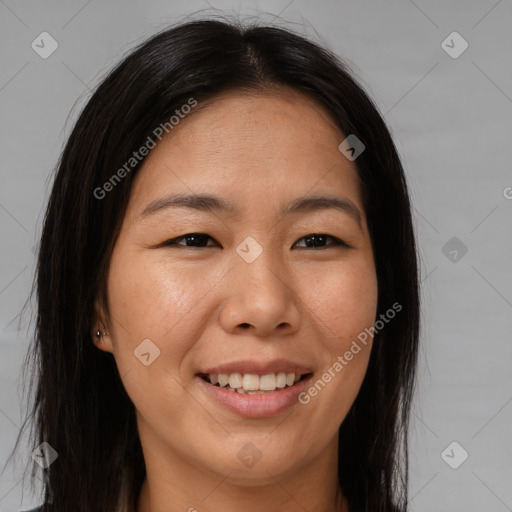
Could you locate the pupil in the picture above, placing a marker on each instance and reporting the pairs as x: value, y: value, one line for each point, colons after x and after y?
x: 312, y: 237
x: 197, y: 238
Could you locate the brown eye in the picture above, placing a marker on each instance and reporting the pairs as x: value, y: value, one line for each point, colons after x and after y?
x: 191, y: 240
x: 319, y: 240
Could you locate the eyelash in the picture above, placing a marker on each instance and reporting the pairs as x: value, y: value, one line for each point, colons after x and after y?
x: 337, y: 242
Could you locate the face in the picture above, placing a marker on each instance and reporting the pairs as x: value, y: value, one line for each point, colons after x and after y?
x: 261, y: 281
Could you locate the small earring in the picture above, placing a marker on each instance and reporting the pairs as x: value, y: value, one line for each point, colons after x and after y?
x: 100, y: 334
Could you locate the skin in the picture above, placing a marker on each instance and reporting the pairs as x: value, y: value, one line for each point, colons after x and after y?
x: 301, y: 303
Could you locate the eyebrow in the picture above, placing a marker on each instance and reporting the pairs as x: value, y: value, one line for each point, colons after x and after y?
x: 203, y: 202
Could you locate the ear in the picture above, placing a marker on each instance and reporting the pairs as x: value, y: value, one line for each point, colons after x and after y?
x: 99, y: 324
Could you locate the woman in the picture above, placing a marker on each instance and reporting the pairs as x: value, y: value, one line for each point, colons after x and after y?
x: 227, y: 283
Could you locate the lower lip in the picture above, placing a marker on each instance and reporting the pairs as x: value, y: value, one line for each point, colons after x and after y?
x: 263, y: 405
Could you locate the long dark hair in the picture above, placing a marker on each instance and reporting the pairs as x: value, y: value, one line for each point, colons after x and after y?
x: 80, y: 407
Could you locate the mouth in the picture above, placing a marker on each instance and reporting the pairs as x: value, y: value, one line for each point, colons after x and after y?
x: 254, y: 395
x: 254, y: 384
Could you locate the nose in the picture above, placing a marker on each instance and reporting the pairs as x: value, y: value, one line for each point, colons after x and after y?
x: 260, y: 298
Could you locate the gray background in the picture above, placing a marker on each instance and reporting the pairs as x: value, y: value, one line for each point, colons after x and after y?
x: 452, y: 121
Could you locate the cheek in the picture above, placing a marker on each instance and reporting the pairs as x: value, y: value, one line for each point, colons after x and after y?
x: 344, y: 302
x: 152, y: 299
x: 150, y: 294
x: 149, y: 302
x: 344, y: 307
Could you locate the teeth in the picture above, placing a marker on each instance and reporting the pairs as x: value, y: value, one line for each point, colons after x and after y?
x: 223, y: 379
x: 281, y: 380
x: 268, y: 382
x: 235, y: 380
x: 250, y: 383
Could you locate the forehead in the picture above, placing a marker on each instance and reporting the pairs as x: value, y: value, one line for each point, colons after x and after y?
x: 258, y: 145
x: 276, y: 121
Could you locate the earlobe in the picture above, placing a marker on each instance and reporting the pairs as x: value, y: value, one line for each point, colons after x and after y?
x: 100, y: 336
x: 102, y: 340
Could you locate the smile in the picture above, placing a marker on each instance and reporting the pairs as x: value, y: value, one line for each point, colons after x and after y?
x: 253, y: 384
x: 253, y: 395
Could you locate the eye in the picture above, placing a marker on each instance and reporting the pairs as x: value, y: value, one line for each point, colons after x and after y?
x: 313, y: 240
x: 318, y: 240
x: 191, y: 240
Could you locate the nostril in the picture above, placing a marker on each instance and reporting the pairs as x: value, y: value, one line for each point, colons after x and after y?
x: 245, y: 324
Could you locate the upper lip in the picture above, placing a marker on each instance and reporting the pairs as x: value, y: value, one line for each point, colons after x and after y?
x: 258, y: 367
